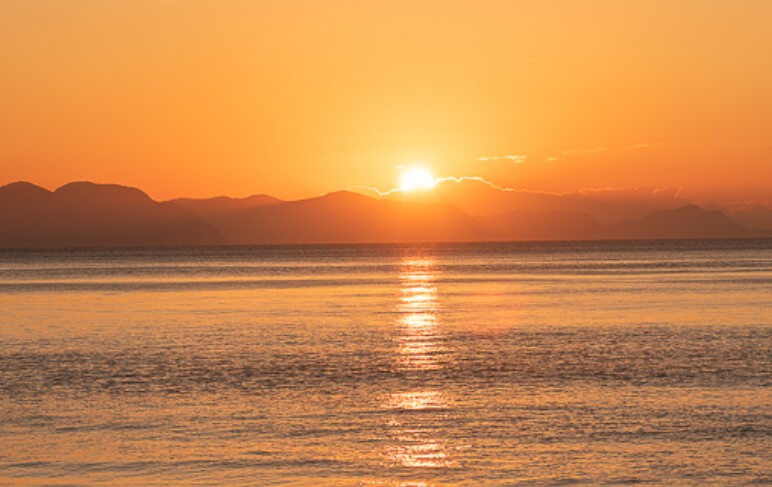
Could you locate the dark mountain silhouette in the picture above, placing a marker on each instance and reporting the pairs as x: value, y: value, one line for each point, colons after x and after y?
x: 210, y: 208
x: 22, y: 190
x: 98, y: 215
x: 85, y: 214
x: 349, y: 217
x: 23, y: 210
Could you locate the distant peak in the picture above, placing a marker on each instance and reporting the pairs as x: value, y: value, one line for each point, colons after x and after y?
x: 23, y: 187
x: 347, y: 195
x: 20, y: 184
x: 88, y: 189
x: 691, y: 208
x: 222, y: 198
x: 342, y: 197
x: 262, y: 197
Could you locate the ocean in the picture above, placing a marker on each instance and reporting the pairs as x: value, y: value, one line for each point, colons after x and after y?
x: 388, y: 365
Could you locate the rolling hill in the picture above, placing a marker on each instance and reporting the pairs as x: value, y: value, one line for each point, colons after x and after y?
x: 85, y: 214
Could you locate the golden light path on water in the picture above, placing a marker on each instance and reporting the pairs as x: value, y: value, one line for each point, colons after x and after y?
x: 420, y: 348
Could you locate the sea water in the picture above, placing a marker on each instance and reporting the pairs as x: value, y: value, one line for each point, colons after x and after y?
x: 388, y: 365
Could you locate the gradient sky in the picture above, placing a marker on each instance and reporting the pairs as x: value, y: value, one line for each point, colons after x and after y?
x: 297, y: 98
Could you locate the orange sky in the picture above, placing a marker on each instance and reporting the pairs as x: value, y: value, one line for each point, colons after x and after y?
x: 297, y: 98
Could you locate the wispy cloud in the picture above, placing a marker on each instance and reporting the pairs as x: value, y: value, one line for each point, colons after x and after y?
x: 373, y: 189
x: 639, y: 146
x: 472, y: 178
x: 514, y: 158
x: 575, y: 152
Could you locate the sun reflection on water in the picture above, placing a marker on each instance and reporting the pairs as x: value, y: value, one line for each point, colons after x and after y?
x: 420, y: 345
x: 420, y: 349
x: 417, y: 400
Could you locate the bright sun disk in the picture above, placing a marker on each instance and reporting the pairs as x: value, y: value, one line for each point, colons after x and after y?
x: 416, y: 178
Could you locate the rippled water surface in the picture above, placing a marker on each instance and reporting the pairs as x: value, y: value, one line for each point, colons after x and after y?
x: 485, y: 364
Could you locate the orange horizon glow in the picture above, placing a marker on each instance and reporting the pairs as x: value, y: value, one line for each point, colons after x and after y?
x: 299, y: 99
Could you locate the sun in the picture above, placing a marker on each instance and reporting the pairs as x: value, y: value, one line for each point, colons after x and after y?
x: 416, y: 178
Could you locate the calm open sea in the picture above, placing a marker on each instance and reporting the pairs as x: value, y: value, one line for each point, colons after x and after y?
x: 462, y: 364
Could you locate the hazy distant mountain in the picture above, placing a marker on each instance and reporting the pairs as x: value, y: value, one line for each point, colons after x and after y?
x: 605, y: 205
x: 689, y: 221
x: 84, y: 214
x: 545, y: 225
x: 756, y: 218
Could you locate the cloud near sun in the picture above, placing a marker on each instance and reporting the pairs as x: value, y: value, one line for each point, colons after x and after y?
x: 418, y: 178
x: 424, y: 181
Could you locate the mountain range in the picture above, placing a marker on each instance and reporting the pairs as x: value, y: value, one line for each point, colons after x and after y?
x: 85, y: 214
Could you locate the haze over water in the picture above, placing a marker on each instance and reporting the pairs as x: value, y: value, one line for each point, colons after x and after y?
x: 457, y: 364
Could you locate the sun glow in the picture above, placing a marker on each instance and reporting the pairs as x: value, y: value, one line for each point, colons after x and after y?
x: 416, y: 178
